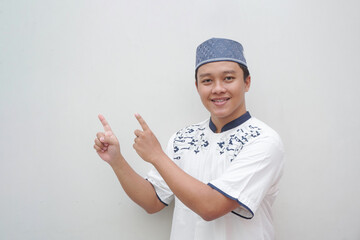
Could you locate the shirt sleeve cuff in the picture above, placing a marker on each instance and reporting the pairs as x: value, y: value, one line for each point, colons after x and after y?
x: 243, y: 211
x: 159, y: 193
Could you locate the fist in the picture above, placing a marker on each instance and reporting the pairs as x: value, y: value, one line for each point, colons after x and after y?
x: 106, y: 144
x: 146, y: 144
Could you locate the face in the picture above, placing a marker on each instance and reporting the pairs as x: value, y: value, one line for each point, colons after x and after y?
x: 222, y: 89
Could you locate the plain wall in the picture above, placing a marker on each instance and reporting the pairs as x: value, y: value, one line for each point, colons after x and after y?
x: 64, y: 62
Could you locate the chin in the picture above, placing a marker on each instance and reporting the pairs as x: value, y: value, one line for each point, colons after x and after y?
x: 220, y: 115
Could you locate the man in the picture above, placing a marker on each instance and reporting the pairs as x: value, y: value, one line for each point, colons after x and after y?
x: 223, y: 172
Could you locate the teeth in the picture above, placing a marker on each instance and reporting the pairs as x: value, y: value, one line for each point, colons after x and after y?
x: 220, y: 100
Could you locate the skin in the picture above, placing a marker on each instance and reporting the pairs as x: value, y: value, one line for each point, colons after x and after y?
x: 199, y: 197
x: 221, y: 87
x: 136, y: 187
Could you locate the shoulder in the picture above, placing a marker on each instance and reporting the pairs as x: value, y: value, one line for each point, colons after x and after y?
x: 265, y: 130
x: 193, y: 138
x: 190, y: 132
x: 268, y: 141
x: 193, y: 129
x: 256, y: 134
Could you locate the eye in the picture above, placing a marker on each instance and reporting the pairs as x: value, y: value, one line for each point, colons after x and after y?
x: 206, y: 81
x: 229, y: 78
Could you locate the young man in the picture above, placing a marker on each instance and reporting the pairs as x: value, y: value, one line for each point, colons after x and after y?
x: 223, y: 172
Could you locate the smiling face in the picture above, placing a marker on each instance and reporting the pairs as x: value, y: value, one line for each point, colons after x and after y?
x: 222, y: 89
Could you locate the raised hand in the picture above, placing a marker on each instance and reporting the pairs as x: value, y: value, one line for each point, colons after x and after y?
x: 106, y: 143
x: 146, y: 144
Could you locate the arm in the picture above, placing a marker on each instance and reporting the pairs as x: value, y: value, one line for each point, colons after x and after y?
x: 136, y: 187
x: 199, y: 197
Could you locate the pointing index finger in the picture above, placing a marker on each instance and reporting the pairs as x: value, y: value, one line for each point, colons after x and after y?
x: 142, y: 122
x: 104, y: 123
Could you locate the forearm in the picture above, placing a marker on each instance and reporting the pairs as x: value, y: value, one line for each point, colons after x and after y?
x: 136, y: 187
x: 196, y: 195
x: 199, y: 197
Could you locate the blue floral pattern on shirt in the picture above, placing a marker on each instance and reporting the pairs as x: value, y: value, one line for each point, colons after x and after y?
x: 232, y: 145
x: 185, y: 139
x: 193, y: 138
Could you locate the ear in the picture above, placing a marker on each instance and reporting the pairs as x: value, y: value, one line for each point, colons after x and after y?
x: 196, y: 85
x: 247, y: 83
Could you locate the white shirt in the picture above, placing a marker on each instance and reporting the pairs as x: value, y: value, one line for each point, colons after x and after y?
x: 244, y: 162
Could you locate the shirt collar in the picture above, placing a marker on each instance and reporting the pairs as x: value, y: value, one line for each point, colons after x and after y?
x: 230, y: 125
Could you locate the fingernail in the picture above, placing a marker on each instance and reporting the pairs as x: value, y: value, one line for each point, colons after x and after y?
x: 101, y: 139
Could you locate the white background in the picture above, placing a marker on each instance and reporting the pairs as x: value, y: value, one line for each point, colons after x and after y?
x: 63, y: 62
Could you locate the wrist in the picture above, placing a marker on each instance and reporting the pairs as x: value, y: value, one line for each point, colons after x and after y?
x: 159, y: 158
x: 116, y: 164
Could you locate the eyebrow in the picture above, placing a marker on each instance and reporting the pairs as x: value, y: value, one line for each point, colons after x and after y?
x: 204, y: 75
x: 230, y: 71
x: 209, y: 74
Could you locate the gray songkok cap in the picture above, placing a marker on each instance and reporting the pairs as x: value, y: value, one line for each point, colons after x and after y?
x: 219, y: 49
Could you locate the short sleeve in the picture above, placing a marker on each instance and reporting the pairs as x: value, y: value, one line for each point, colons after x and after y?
x: 252, y: 174
x: 162, y: 190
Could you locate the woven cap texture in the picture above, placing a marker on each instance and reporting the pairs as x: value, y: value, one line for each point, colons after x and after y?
x: 219, y: 49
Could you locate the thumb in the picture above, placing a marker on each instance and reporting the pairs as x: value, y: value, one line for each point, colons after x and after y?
x: 109, y: 138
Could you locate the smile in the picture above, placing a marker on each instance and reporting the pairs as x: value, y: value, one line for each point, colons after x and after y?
x: 220, y: 101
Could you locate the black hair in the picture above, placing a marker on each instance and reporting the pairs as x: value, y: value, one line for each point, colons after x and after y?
x: 243, y: 67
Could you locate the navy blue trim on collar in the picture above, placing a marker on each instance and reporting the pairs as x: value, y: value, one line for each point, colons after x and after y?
x: 234, y: 123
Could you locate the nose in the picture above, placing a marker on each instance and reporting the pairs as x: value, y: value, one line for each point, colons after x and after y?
x: 218, y: 87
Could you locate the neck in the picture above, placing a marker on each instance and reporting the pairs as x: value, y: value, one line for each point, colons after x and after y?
x: 221, y: 122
